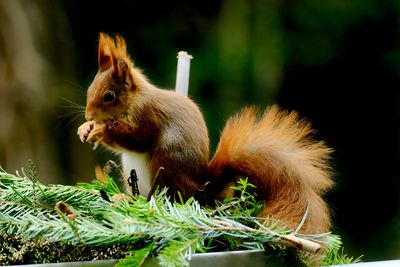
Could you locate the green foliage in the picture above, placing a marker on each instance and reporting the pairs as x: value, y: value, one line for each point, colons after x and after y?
x: 137, y: 257
x: 109, y: 185
x: 335, y: 253
x: 171, y: 232
x: 180, y: 251
x: 244, y: 203
x: 32, y: 173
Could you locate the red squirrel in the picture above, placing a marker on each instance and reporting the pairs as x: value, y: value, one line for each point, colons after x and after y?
x: 153, y: 128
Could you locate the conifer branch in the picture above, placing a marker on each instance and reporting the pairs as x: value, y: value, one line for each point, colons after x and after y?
x: 173, y: 232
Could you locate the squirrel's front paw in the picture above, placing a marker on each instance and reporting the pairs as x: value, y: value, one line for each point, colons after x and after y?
x: 96, y: 135
x: 84, y: 130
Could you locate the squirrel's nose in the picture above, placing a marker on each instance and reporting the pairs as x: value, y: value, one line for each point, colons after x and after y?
x: 90, y: 112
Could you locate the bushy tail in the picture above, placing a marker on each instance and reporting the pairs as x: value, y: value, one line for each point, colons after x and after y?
x: 276, y: 152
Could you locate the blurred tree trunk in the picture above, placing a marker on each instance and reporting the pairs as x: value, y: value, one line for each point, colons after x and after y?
x: 31, y: 58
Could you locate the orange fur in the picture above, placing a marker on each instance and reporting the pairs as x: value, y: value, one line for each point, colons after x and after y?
x: 278, y: 155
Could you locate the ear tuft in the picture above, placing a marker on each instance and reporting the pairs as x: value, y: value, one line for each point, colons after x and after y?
x: 120, y: 45
x: 104, y: 53
x: 111, y: 51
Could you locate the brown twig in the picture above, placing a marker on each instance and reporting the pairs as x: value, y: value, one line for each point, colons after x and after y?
x: 155, y: 182
x: 289, y: 240
x: 299, y: 243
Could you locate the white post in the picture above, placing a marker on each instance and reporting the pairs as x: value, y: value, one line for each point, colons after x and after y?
x: 182, y: 74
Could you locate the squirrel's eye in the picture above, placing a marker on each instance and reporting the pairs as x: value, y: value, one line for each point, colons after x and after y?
x: 109, y: 97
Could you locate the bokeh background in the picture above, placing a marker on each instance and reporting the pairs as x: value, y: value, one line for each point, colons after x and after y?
x: 335, y: 61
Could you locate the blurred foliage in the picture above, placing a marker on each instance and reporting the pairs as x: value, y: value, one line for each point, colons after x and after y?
x: 335, y: 61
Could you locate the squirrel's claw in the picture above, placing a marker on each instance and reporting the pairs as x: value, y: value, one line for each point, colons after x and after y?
x: 84, y: 130
x: 96, y: 134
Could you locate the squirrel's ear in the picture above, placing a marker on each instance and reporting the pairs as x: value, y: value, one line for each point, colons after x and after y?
x: 112, y: 53
x: 104, y: 55
x: 121, y: 59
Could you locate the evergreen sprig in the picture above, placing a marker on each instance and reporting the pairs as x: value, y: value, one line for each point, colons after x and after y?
x: 169, y: 231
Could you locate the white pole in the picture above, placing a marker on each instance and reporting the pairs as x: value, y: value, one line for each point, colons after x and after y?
x: 182, y: 74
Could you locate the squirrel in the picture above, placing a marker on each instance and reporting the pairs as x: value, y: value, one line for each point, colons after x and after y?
x: 153, y: 128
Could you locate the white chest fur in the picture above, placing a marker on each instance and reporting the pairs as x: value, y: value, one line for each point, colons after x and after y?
x: 140, y: 162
